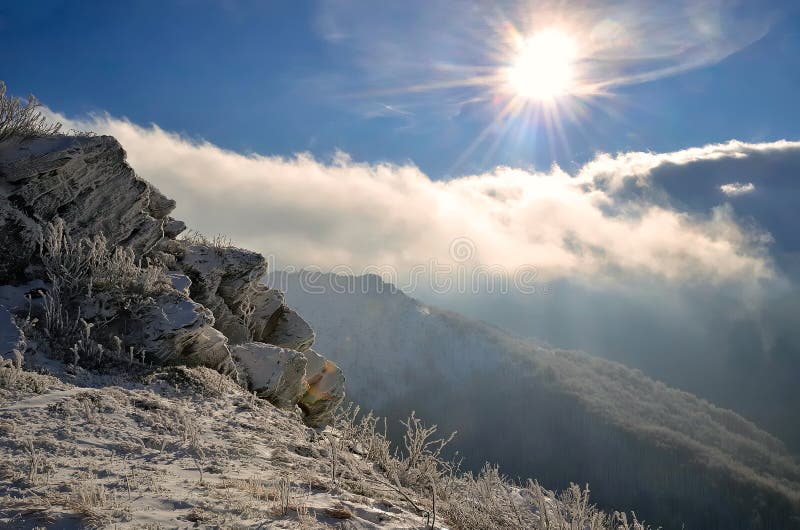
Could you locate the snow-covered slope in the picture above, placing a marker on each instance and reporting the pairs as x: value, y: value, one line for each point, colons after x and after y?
x: 186, y: 449
x: 556, y: 415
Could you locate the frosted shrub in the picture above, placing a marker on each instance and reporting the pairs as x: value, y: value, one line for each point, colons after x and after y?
x: 23, y: 119
x: 89, y: 265
x: 59, y: 325
x: 86, y: 270
x: 421, y: 460
x: 436, y: 488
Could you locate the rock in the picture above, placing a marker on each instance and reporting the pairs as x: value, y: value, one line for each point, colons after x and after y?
x: 325, y: 392
x: 287, y: 378
x: 275, y: 374
x: 177, y: 330
x: 173, y: 228
x: 83, y: 180
x: 227, y: 280
x: 214, y: 271
x: 180, y: 282
x: 266, y: 305
x: 290, y: 331
x: 209, y: 348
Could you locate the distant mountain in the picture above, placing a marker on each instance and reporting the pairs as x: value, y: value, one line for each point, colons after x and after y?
x: 554, y: 415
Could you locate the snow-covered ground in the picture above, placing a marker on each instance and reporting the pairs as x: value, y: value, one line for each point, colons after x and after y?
x: 185, y: 449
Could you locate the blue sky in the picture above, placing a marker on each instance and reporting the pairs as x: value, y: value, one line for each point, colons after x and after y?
x: 284, y: 77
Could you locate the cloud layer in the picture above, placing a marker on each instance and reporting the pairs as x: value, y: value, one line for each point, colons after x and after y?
x: 608, y: 220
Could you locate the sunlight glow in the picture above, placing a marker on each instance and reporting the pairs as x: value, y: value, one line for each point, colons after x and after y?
x: 543, y: 68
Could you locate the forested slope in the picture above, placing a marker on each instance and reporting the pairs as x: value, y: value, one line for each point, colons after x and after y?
x: 553, y: 414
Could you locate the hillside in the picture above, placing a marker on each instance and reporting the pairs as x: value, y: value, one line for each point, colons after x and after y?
x: 152, y: 381
x: 183, y: 449
x: 554, y: 414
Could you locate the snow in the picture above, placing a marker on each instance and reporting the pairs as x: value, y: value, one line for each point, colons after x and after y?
x: 180, y: 282
x: 153, y: 456
x: 9, y: 333
x: 13, y: 296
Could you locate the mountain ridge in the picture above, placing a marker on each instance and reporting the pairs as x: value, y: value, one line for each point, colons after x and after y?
x: 417, y: 347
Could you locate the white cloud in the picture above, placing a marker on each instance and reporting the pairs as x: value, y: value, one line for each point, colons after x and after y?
x: 307, y: 212
x: 616, y: 170
x: 737, y: 188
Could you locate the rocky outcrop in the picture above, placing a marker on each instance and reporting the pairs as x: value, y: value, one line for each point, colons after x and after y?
x: 273, y: 373
x: 84, y: 181
x: 273, y: 343
x: 227, y: 280
x: 211, y: 296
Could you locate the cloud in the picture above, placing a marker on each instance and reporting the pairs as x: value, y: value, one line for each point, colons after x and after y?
x: 691, y: 180
x: 305, y: 211
x: 737, y: 188
x: 637, y: 167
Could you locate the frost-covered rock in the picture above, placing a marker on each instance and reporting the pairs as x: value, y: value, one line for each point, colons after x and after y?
x: 180, y: 282
x: 325, y: 391
x: 212, y: 295
x: 227, y: 280
x: 177, y: 330
x: 290, y: 331
x: 273, y: 373
x: 288, y: 377
x: 83, y: 180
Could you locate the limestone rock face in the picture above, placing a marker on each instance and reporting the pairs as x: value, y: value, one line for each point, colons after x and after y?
x: 227, y: 280
x: 212, y: 295
x: 287, y: 377
x: 274, y: 373
x: 83, y: 180
x: 178, y: 330
x: 290, y: 331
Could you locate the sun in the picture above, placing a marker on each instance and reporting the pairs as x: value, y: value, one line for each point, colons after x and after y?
x: 544, y: 66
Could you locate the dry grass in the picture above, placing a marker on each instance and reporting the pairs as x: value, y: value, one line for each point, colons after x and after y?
x: 13, y: 377
x: 436, y: 489
x: 97, y: 504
